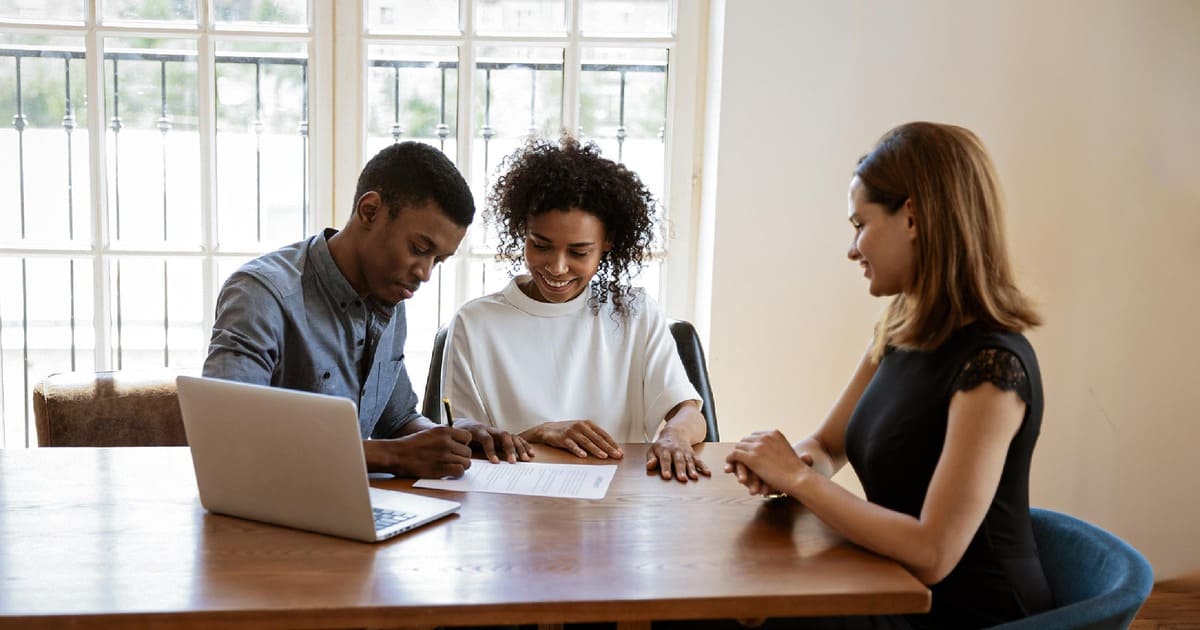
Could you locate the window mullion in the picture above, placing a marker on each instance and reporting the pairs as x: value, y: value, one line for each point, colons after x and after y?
x: 465, y: 137
x: 349, y: 119
x: 207, y: 99
x: 571, y: 70
x: 98, y: 172
x: 321, y: 83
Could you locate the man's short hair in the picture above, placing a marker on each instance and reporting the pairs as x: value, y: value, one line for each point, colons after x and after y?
x: 408, y: 173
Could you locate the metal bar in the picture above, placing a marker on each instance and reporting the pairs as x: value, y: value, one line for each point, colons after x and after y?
x: 443, y: 130
x: 25, y: 343
x: 59, y: 252
x: 166, y: 318
x: 396, y: 130
x: 413, y: 39
x: 115, y: 125
x: 120, y: 340
x: 487, y: 132
x: 621, y: 122
x: 68, y: 123
x: 304, y: 153
x: 71, y: 265
x: 258, y: 129
x: 164, y: 125
x: 19, y: 124
x: 286, y: 59
x: 281, y: 59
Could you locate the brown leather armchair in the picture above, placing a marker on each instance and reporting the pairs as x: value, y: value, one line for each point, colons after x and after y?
x: 122, y: 408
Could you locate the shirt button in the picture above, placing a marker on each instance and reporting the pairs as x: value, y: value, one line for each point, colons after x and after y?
x: 326, y: 375
x: 360, y: 342
x: 343, y: 305
x: 357, y: 303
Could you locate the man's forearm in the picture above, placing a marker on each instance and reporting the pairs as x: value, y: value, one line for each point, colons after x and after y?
x: 419, y: 423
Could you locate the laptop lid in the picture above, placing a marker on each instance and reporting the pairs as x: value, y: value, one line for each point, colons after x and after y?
x: 286, y: 457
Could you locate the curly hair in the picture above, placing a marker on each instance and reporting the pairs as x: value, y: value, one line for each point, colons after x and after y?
x: 545, y: 175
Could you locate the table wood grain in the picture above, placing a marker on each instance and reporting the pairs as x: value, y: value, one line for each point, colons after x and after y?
x: 100, y: 538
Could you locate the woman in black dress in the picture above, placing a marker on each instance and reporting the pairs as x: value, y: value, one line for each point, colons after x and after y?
x: 940, y: 418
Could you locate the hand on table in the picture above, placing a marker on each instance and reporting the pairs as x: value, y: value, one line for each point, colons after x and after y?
x: 580, y: 437
x: 496, y: 442
x: 675, y: 457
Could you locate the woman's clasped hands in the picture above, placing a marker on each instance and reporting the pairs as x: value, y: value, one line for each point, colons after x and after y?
x: 767, y: 464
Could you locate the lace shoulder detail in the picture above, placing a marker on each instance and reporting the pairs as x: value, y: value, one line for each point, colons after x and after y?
x: 998, y: 367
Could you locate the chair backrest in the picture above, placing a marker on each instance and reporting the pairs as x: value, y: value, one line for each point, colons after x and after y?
x: 431, y: 402
x: 108, y: 409
x: 687, y: 343
x: 1098, y: 580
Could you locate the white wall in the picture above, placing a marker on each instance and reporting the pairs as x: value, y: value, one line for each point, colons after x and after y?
x: 1091, y: 111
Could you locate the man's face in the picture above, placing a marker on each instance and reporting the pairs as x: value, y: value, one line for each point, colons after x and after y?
x: 399, y: 253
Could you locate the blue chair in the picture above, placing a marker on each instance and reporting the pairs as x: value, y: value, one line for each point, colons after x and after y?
x: 1097, y: 579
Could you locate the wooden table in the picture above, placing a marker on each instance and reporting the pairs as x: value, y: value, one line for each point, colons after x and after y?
x: 117, y: 538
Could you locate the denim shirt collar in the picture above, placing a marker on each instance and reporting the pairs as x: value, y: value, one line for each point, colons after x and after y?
x: 334, y: 281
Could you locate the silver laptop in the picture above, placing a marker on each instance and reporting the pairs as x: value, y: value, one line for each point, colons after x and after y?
x: 291, y: 458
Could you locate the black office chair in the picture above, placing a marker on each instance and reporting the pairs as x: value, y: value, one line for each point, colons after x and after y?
x: 687, y: 343
x: 431, y: 403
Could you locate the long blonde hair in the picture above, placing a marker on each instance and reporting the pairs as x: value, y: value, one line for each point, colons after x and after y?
x: 961, y: 269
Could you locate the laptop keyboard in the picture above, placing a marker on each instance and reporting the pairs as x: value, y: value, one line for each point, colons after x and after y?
x: 387, y: 518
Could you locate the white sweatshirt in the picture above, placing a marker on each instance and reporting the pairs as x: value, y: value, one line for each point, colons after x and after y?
x: 514, y: 362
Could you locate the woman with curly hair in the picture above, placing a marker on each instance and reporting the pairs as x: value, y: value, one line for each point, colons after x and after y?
x: 569, y: 354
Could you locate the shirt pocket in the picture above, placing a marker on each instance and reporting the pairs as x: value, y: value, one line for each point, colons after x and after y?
x: 387, y: 376
x: 377, y: 391
x: 322, y: 380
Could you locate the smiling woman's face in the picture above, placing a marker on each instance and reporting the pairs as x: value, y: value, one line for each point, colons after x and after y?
x: 563, y: 250
x: 884, y: 244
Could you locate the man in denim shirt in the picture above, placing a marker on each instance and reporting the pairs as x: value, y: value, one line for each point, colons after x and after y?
x: 326, y: 314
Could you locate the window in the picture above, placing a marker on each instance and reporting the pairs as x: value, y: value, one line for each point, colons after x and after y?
x: 156, y: 146
x: 476, y: 78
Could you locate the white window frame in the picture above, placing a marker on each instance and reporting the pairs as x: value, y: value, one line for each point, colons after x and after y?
x: 320, y: 50
x: 337, y: 43
x: 681, y: 188
x: 318, y: 35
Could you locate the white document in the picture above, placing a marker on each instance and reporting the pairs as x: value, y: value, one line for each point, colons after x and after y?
x: 572, y: 481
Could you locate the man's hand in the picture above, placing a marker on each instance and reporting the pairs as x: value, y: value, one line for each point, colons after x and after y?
x: 434, y: 452
x: 672, y: 455
x: 581, y: 437
x: 490, y: 439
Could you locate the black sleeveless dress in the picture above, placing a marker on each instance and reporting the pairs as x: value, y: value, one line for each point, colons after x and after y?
x: 895, y: 437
